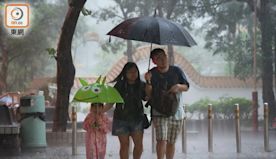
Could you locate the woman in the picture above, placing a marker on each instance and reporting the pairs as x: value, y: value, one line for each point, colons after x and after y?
x: 128, y: 117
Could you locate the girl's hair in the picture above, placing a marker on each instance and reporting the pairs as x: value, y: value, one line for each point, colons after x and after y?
x: 122, y: 76
x: 95, y: 104
x: 121, y: 79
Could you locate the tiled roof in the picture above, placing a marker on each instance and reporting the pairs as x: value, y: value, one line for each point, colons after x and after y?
x: 89, y: 80
x: 142, y: 53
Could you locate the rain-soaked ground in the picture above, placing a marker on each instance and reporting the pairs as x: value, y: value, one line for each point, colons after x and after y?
x: 224, y: 147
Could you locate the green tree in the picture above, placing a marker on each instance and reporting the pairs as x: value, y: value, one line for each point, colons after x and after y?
x: 267, y: 55
x: 176, y: 10
x: 229, y: 32
x: 124, y: 9
x: 22, y: 59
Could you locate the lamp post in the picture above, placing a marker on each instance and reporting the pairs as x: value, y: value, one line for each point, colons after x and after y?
x: 255, y: 92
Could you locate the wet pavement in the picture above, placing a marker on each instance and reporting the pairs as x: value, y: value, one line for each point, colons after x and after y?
x: 224, y: 147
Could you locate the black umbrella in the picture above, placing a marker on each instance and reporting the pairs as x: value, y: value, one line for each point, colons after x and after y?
x: 154, y: 30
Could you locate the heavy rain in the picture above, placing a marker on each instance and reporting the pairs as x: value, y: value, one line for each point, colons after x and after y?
x: 51, y: 49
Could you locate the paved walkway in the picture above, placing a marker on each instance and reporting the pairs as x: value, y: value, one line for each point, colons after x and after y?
x: 197, y: 148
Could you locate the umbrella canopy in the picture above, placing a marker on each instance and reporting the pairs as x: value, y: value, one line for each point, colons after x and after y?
x: 98, y: 92
x: 154, y: 30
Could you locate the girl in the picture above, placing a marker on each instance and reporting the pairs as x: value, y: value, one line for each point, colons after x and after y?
x: 128, y: 117
x: 97, y: 125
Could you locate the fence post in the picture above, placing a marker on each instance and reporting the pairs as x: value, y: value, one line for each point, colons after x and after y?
x: 184, y: 132
x: 130, y: 145
x: 266, y: 134
x: 210, y: 128
x: 74, y: 130
x: 238, y: 131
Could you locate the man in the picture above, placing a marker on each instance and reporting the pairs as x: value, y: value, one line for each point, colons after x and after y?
x: 171, y: 79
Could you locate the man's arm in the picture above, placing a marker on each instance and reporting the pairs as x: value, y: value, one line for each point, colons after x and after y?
x: 148, y: 88
x: 183, y: 84
x: 179, y: 88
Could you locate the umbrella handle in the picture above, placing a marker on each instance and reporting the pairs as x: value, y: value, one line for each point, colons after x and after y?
x: 149, y: 57
x: 149, y: 65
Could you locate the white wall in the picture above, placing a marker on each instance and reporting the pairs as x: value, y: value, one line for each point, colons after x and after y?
x: 196, y: 93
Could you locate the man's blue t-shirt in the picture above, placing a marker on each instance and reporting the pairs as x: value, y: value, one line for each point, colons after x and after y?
x: 164, y: 81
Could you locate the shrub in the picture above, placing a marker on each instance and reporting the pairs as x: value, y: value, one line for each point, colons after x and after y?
x: 223, y: 108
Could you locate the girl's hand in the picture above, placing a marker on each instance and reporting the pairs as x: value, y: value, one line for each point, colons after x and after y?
x: 95, y: 125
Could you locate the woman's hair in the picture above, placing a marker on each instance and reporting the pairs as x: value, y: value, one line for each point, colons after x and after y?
x: 122, y: 76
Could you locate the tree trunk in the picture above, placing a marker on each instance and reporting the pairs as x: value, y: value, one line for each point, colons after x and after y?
x: 274, y: 58
x: 4, y: 61
x: 129, y: 51
x: 267, y: 68
x: 65, y: 66
x: 159, y: 8
x: 171, y: 54
x: 4, y: 70
x: 170, y: 9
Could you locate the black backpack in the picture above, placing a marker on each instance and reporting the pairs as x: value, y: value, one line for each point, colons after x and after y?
x: 162, y: 101
x: 165, y: 103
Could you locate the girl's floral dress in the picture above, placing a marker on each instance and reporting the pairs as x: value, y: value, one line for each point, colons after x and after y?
x: 96, y: 126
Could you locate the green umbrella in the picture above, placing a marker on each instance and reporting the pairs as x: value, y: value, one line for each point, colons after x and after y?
x: 98, y: 92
